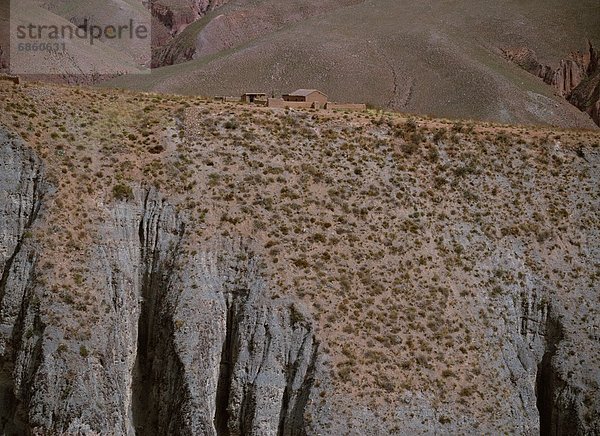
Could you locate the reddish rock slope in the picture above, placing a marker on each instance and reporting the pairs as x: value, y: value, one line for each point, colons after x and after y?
x: 577, y: 78
x: 171, y: 17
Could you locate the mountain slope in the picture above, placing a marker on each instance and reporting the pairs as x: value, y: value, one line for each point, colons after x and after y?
x: 80, y: 61
x: 443, y: 58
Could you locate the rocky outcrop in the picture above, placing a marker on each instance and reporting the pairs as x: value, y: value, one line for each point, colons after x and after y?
x: 204, y: 6
x: 188, y: 343
x: 247, y: 372
x: 586, y: 96
x: 172, y: 54
x: 577, y: 78
x: 162, y: 13
x: 20, y: 326
x: 170, y: 20
x: 175, y: 17
x: 536, y: 353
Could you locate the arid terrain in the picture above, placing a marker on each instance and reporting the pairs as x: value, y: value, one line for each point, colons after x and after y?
x: 446, y: 59
x: 176, y: 262
x: 172, y: 265
x: 430, y: 57
x: 81, y: 62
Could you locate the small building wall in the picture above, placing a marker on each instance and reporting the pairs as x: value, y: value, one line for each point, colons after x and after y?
x: 251, y: 97
x: 294, y: 98
x: 316, y: 97
x: 313, y: 97
x: 302, y: 105
x: 298, y: 104
x: 346, y: 106
x: 227, y: 99
x: 14, y: 79
x: 281, y: 103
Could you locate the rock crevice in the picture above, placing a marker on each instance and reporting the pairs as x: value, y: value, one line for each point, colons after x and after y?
x: 558, y: 415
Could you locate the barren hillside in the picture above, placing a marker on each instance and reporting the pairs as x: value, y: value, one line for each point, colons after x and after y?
x: 174, y: 265
x: 431, y: 57
x: 434, y: 57
x: 80, y: 62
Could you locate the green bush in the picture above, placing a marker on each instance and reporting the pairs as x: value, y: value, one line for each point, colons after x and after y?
x: 122, y: 192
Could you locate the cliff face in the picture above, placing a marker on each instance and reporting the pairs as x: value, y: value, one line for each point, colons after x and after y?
x: 20, y: 199
x: 191, y: 342
x: 577, y: 78
x: 185, y: 344
x: 586, y: 95
x: 176, y: 266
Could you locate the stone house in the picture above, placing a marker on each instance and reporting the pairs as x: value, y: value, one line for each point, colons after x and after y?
x: 307, y: 96
x: 251, y: 97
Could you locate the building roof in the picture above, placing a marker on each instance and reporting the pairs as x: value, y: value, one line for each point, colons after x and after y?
x: 305, y: 92
x: 254, y: 93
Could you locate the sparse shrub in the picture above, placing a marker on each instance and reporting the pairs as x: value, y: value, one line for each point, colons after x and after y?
x: 295, y: 315
x: 122, y: 192
x: 409, y: 147
x: 301, y: 262
x: 467, y: 391
x: 458, y: 127
x: 213, y: 179
x: 439, y: 134
x: 447, y: 373
x: 78, y: 279
x: 230, y: 124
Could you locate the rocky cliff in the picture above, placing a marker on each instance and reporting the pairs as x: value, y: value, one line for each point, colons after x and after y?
x: 576, y: 78
x: 170, y: 19
x: 183, y: 344
x: 175, y: 16
x: 185, y: 267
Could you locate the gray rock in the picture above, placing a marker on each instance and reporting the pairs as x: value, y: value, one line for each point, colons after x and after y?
x: 190, y: 339
x: 187, y: 344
